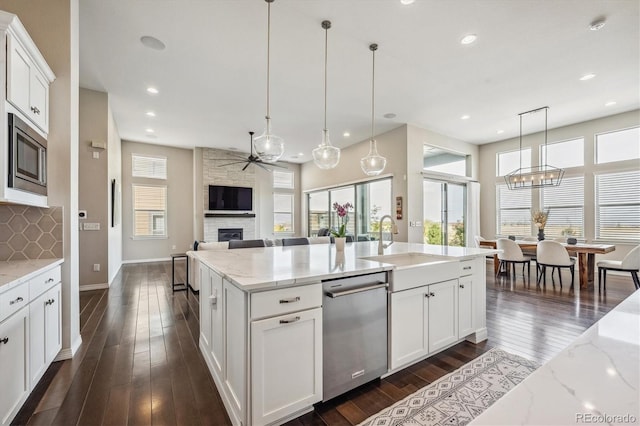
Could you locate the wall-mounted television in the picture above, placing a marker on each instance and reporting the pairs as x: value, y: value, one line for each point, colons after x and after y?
x: 230, y: 198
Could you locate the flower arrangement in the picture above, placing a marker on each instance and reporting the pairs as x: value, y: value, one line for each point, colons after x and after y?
x: 343, y: 216
x: 540, y: 218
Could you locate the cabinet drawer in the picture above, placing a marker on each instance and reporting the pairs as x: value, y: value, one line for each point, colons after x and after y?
x: 277, y: 302
x: 44, y: 282
x: 13, y: 300
x: 466, y: 267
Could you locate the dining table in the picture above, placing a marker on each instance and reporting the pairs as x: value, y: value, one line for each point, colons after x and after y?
x: 586, y: 257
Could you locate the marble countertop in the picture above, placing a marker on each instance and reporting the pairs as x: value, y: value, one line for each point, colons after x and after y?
x: 596, y: 379
x: 256, y: 268
x: 14, y: 272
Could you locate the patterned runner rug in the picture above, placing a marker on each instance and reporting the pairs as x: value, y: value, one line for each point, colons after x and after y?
x: 458, y: 397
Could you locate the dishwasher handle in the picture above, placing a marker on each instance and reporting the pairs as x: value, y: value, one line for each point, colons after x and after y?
x: 334, y: 294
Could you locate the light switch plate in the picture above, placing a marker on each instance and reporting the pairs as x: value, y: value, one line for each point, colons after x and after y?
x: 91, y: 226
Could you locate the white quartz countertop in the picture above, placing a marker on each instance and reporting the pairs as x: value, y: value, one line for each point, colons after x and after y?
x: 15, y: 272
x: 256, y: 268
x: 594, y: 380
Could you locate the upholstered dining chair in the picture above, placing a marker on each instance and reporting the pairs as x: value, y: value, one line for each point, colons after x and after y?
x: 477, y: 239
x: 323, y: 232
x: 239, y: 244
x: 302, y: 241
x: 553, y: 254
x: 511, y: 254
x: 630, y: 263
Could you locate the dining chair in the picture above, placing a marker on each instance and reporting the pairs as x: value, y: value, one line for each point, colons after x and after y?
x: 630, y: 263
x: 239, y: 244
x: 319, y: 240
x: 302, y: 241
x: 477, y: 239
x: 553, y: 254
x: 323, y: 232
x: 511, y: 254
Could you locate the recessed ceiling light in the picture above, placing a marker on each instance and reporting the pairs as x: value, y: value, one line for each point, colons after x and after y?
x: 407, y: 2
x: 500, y: 131
x: 300, y: 154
x: 587, y: 77
x: 597, y: 24
x: 389, y: 115
x: 152, y: 43
x: 468, y: 39
x: 465, y: 117
x: 150, y: 114
x: 149, y: 130
x: 152, y: 90
x: 346, y: 134
x: 610, y: 103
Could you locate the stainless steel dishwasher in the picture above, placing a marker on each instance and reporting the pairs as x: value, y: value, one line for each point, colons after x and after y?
x: 354, y: 331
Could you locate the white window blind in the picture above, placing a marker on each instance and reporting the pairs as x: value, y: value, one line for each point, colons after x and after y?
x: 510, y: 161
x: 283, y: 179
x: 148, y: 166
x: 514, y: 211
x: 150, y: 211
x: 618, y: 206
x: 563, y: 154
x: 282, y: 213
x: 566, y: 208
x: 618, y: 146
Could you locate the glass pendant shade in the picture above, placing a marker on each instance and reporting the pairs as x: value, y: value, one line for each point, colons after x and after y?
x: 326, y: 156
x: 373, y: 164
x: 268, y: 146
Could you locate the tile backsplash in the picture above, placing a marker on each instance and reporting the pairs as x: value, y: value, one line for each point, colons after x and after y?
x: 30, y: 232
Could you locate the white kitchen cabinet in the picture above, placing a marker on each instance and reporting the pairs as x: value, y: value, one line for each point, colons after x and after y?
x: 205, y: 309
x: 45, y: 334
x: 53, y: 324
x: 286, y: 365
x: 465, y: 307
x: 235, y: 351
x: 14, y: 359
x: 443, y: 314
x: 217, y: 322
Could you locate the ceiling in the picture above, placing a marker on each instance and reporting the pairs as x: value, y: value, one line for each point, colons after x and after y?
x: 212, y: 75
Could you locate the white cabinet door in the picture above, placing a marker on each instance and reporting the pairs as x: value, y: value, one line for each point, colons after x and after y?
x: 14, y: 359
x: 286, y: 365
x: 235, y: 351
x: 465, y: 307
x: 39, y: 99
x: 205, y: 311
x: 53, y: 324
x: 409, y: 332
x: 443, y: 314
x: 217, y: 322
x: 19, y: 76
x: 37, y: 330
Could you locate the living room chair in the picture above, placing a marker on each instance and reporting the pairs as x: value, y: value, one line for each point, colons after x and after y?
x: 511, y: 254
x: 239, y: 244
x: 553, y: 254
x: 630, y: 263
x: 302, y: 241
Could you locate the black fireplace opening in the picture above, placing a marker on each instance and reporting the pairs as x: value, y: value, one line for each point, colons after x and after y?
x: 228, y: 234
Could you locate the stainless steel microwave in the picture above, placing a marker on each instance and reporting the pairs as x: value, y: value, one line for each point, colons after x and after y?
x: 27, y: 157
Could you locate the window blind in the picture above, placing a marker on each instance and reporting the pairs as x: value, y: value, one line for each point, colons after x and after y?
x: 566, y: 208
x: 618, y: 206
x: 282, y: 179
x: 514, y: 211
x: 282, y: 212
x: 148, y: 166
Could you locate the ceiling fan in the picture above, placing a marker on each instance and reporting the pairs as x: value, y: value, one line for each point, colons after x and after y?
x: 251, y: 159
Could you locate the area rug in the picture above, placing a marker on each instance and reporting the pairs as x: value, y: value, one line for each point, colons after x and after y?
x: 458, y: 397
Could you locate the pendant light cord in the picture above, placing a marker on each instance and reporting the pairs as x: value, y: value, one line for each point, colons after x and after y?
x: 373, y: 49
x: 520, y: 144
x: 268, y: 54
x: 326, y: 49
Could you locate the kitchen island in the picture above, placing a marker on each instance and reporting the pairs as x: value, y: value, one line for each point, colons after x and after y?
x: 261, y: 316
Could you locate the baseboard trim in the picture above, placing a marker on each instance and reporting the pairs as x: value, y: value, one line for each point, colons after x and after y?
x: 67, y: 353
x: 89, y: 287
x: 160, y: 259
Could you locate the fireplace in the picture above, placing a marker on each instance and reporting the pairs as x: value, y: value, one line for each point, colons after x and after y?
x: 227, y: 234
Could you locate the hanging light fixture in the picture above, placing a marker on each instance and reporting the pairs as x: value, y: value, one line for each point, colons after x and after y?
x: 373, y: 164
x: 537, y: 176
x: 268, y: 146
x: 326, y: 156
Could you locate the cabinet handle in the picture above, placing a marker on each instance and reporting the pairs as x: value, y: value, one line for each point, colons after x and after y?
x: 426, y: 295
x: 461, y: 285
x: 18, y: 300
x: 466, y: 268
x: 289, y: 321
x: 432, y: 294
x: 49, y: 302
x: 50, y: 280
x: 5, y: 340
x: 290, y: 300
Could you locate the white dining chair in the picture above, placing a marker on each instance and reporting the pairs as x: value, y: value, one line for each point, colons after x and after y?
x: 511, y: 254
x: 477, y: 239
x: 630, y: 263
x: 553, y: 254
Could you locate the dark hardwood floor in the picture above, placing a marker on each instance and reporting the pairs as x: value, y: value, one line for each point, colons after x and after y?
x: 139, y: 362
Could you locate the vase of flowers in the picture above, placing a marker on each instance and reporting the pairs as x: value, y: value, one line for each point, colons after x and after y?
x: 539, y: 218
x: 340, y: 234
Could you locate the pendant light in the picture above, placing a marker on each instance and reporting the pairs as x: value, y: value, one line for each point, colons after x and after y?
x: 373, y: 164
x: 326, y: 156
x: 268, y: 146
x: 537, y: 176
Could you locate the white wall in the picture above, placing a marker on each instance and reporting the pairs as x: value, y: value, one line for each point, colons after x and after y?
x: 587, y: 130
x: 114, y: 151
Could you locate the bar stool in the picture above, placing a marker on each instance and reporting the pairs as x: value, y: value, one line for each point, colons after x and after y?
x: 179, y: 286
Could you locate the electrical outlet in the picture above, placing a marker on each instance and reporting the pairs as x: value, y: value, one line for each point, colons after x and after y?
x: 96, y: 267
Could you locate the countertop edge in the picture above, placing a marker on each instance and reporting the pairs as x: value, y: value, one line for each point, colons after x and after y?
x: 33, y: 271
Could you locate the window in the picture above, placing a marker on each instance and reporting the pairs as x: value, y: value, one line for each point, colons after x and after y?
x: 283, y: 179
x: 282, y: 213
x: 618, y: 146
x: 618, y: 206
x: 510, y: 161
x: 318, y: 208
x: 566, y: 208
x: 439, y: 160
x: 373, y: 200
x: 563, y: 154
x: 146, y: 166
x: 342, y: 196
x: 150, y: 211
x: 514, y: 211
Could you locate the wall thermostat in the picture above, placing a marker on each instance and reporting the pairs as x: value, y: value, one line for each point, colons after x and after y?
x: 82, y: 214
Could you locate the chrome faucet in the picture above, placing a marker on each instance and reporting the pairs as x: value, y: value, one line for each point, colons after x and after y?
x: 394, y: 230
